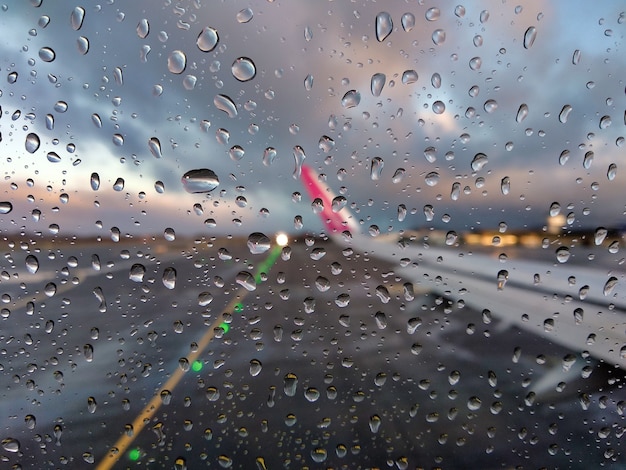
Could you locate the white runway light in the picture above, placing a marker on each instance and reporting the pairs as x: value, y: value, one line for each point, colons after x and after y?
x: 282, y: 239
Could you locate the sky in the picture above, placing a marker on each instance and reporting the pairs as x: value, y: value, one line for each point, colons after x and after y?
x: 307, y: 56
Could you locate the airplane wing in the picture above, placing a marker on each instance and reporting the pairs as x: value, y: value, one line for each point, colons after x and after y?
x: 576, y: 306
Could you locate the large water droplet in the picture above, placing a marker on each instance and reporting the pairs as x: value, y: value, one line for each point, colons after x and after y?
x: 137, y: 272
x: 245, y: 15
x: 588, y: 159
x: 269, y: 154
x: 243, y: 69
x: 201, y: 180
x: 384, y: 26
x: 308, y: 82
x: 375, y: 423
x: 605, y: 121
x: 207, y: 39
x: 439, y: 107
x: 236, y: 153
x: 82, y: 44
x: 432, y: 178
x: 338, y: 203
x: 555, y: 209
x: 409, y: 76
x: 258, y: 243
x: 529, y: 37
x: 609, y: 286
x: 475, y: 63
x: 155, y: 147
x: 376, y: 168
x: 562, y: 254
x: 438, y: 37
x: 600, y: 235
x: 430, y: 154
x: 490, y: 106
x: 177, y: 62
x: 576, y: 57
x: 11, y: 445
x: 32, y: 142
x: 435, y: 80
x: 47, y: 54
x: 169, y: 278
x: 224, y: 103
x: 479, y: 161
x: 143, y: 28
x: 351, y: 99
x: 255, y: 367
x: 95, y: 181
x: 290, y: 384
x: 299, y: 157
x: 522, y: 112
x: 505, y: 185
x: 246, y: 280
x: 77, y: 17
x: 32, y: 264
x: 564, y: 114
x: 408, y: 21
x: 377, y: 84
x: 611, y: 172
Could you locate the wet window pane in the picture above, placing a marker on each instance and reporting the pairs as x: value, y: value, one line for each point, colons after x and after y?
x: 312, y: 234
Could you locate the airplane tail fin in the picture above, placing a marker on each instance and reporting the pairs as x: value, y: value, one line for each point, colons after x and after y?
x: 331, y: 208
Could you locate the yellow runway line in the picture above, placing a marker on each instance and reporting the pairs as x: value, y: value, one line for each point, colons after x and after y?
x: 143, y: 418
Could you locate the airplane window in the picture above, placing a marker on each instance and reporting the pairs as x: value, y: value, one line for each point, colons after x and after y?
x: 286, y: 234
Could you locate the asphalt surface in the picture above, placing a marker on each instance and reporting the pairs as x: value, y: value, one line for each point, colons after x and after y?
x: 325, y: 364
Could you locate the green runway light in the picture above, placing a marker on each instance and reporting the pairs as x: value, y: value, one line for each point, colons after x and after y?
x: 134, y: 454
x: 225, y: 326
x: 196, y: 366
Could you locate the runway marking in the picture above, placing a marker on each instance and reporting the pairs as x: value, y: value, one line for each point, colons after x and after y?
x: 143, y: 418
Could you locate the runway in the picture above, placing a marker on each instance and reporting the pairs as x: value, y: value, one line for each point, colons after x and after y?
x: 328, y: 361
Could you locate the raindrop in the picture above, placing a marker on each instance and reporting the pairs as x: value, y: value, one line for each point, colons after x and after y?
x: 88, y: 352
x: 246, y: 280
x: 562, y: 254
x: 338, y: 203
x: 377, y: 84
x: 224, y: 103
x: 155, y: 147
x: 430, y: 154
x: 600, y: 235
x: 207, y: 39
x: 409, y: 76
x: 351, y: 99
x: 384, y: 26
x: 243, y: 69
x: 169, y: 278
x: 376, y: 168
x: 408, y: 21
x: 95, y: 118
x: 290, y: 384
x: 118, y: 140
x: 459, y: 11
x: 381, y: 320
x: 200, y: 181
x: 564, y: 114
x: 143, y: 28
x: 77, y: 17
x: 432, y: 178
x: 398, y: 176
x: 401, y: 212
x: 611, y: 172
x: 47, y: 54
x: 578, y: 315
x: 588, y: 160
x: 609, y: 286
x: 12, y: 77
x: 432, y: 14
x: 82, y: 44
x: 490, y: 106
x: 576, y: 57
x: 475, y: 63
x: 308, y: 34
x: 258, y: 243
x: 176, y: 62
x: 119, y: 184
x: 236, y: 153
x: 438, y: 37
x: 505, y: 185
x: 53, y: 157
x: 245, y: 15
x: 439, y: 107
x: 32, y: 264
x: 10, y: 444
x: 95, y: 181
x: 555, y: 209
x: 308, y: 82
x: 605, y: 121
x: 429, y: 212
x: 503, y: 276
x: 529, y: 37
x: 299, y: 157
x: 522, y: 112
x: 451, y: 238
x: 269, y: 154
x: 375, y: 422
x: 479, y: 161
x: 435, y: 80
x: 50, y: 289
x: 137, y: 272
x: 326, y: 144
x: 49, y: 122
x: 32, y: 142
x: 564, y: 157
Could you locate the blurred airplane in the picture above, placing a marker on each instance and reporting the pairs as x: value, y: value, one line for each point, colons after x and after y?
x: 578, y: 307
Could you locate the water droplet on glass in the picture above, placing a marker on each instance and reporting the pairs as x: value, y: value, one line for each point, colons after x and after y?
x: 611, y: 172
x: 137, y: 272
x: 143, y: 28
x: 529, y: 37
x: 564, y: 157
x: 609, y: 286
x: 435, y: 80
x: 47, y: 54
x: 50, y: 289
x: 119, y: 184
x: 95, y: 181
x: 32, y: 142
x: 429, y: 212
x: 505, y: 185
x: 326, y: 144
x: 290, y: 384
x: 53, y: 157
x: 564, y: 114
x: 432, y: 14
x: 236, y: 153
x: 430, y: 153
x: 299, y: 157
x: 246, y: 280
x: 490, y: 106
x: 118, y: 140
x: 308, y: 33
x: 588, y: 160
x: 351, y: 99
x: 408, y: 21
x: 77, y: 17
x: 169, y: 278
x: 438, y: 37
x: 605, y: 121
x: 555, y: 209
x: 243, y: 69
x: 439, y: 107
x: 451, y: 238
x: 200, y: 181
x: 224, y: 103
x: 376, y: 168
x: 88, y: 352
x: 475, y: 63
x: 258, y: 243
x: 562, y: 254
x: 32, y: 264
x: 600, y: 235
x: 402, y: 211
x: 255, y: 367
x: 207, y: 39
x: 479, y: 161
x: 522, y: 112
x: 503, y: 276
x: 384, y: 26
x: 245, y: 15
x: 398, y: 175
x: 377, y: 84
x: 10, y: 444
x: 308, y: 82
x: 576, y: 57
x: 409, y: 76
x: 269, y: 154
x: 432, y: 178
x: 12, y: 77
x: 82, y: 44
x: 176, y: 62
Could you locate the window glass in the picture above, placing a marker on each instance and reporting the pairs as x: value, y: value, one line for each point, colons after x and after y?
x: 264, y: 234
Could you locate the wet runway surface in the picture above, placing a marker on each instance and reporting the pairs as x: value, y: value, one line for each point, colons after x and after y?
x: 329, y: 362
